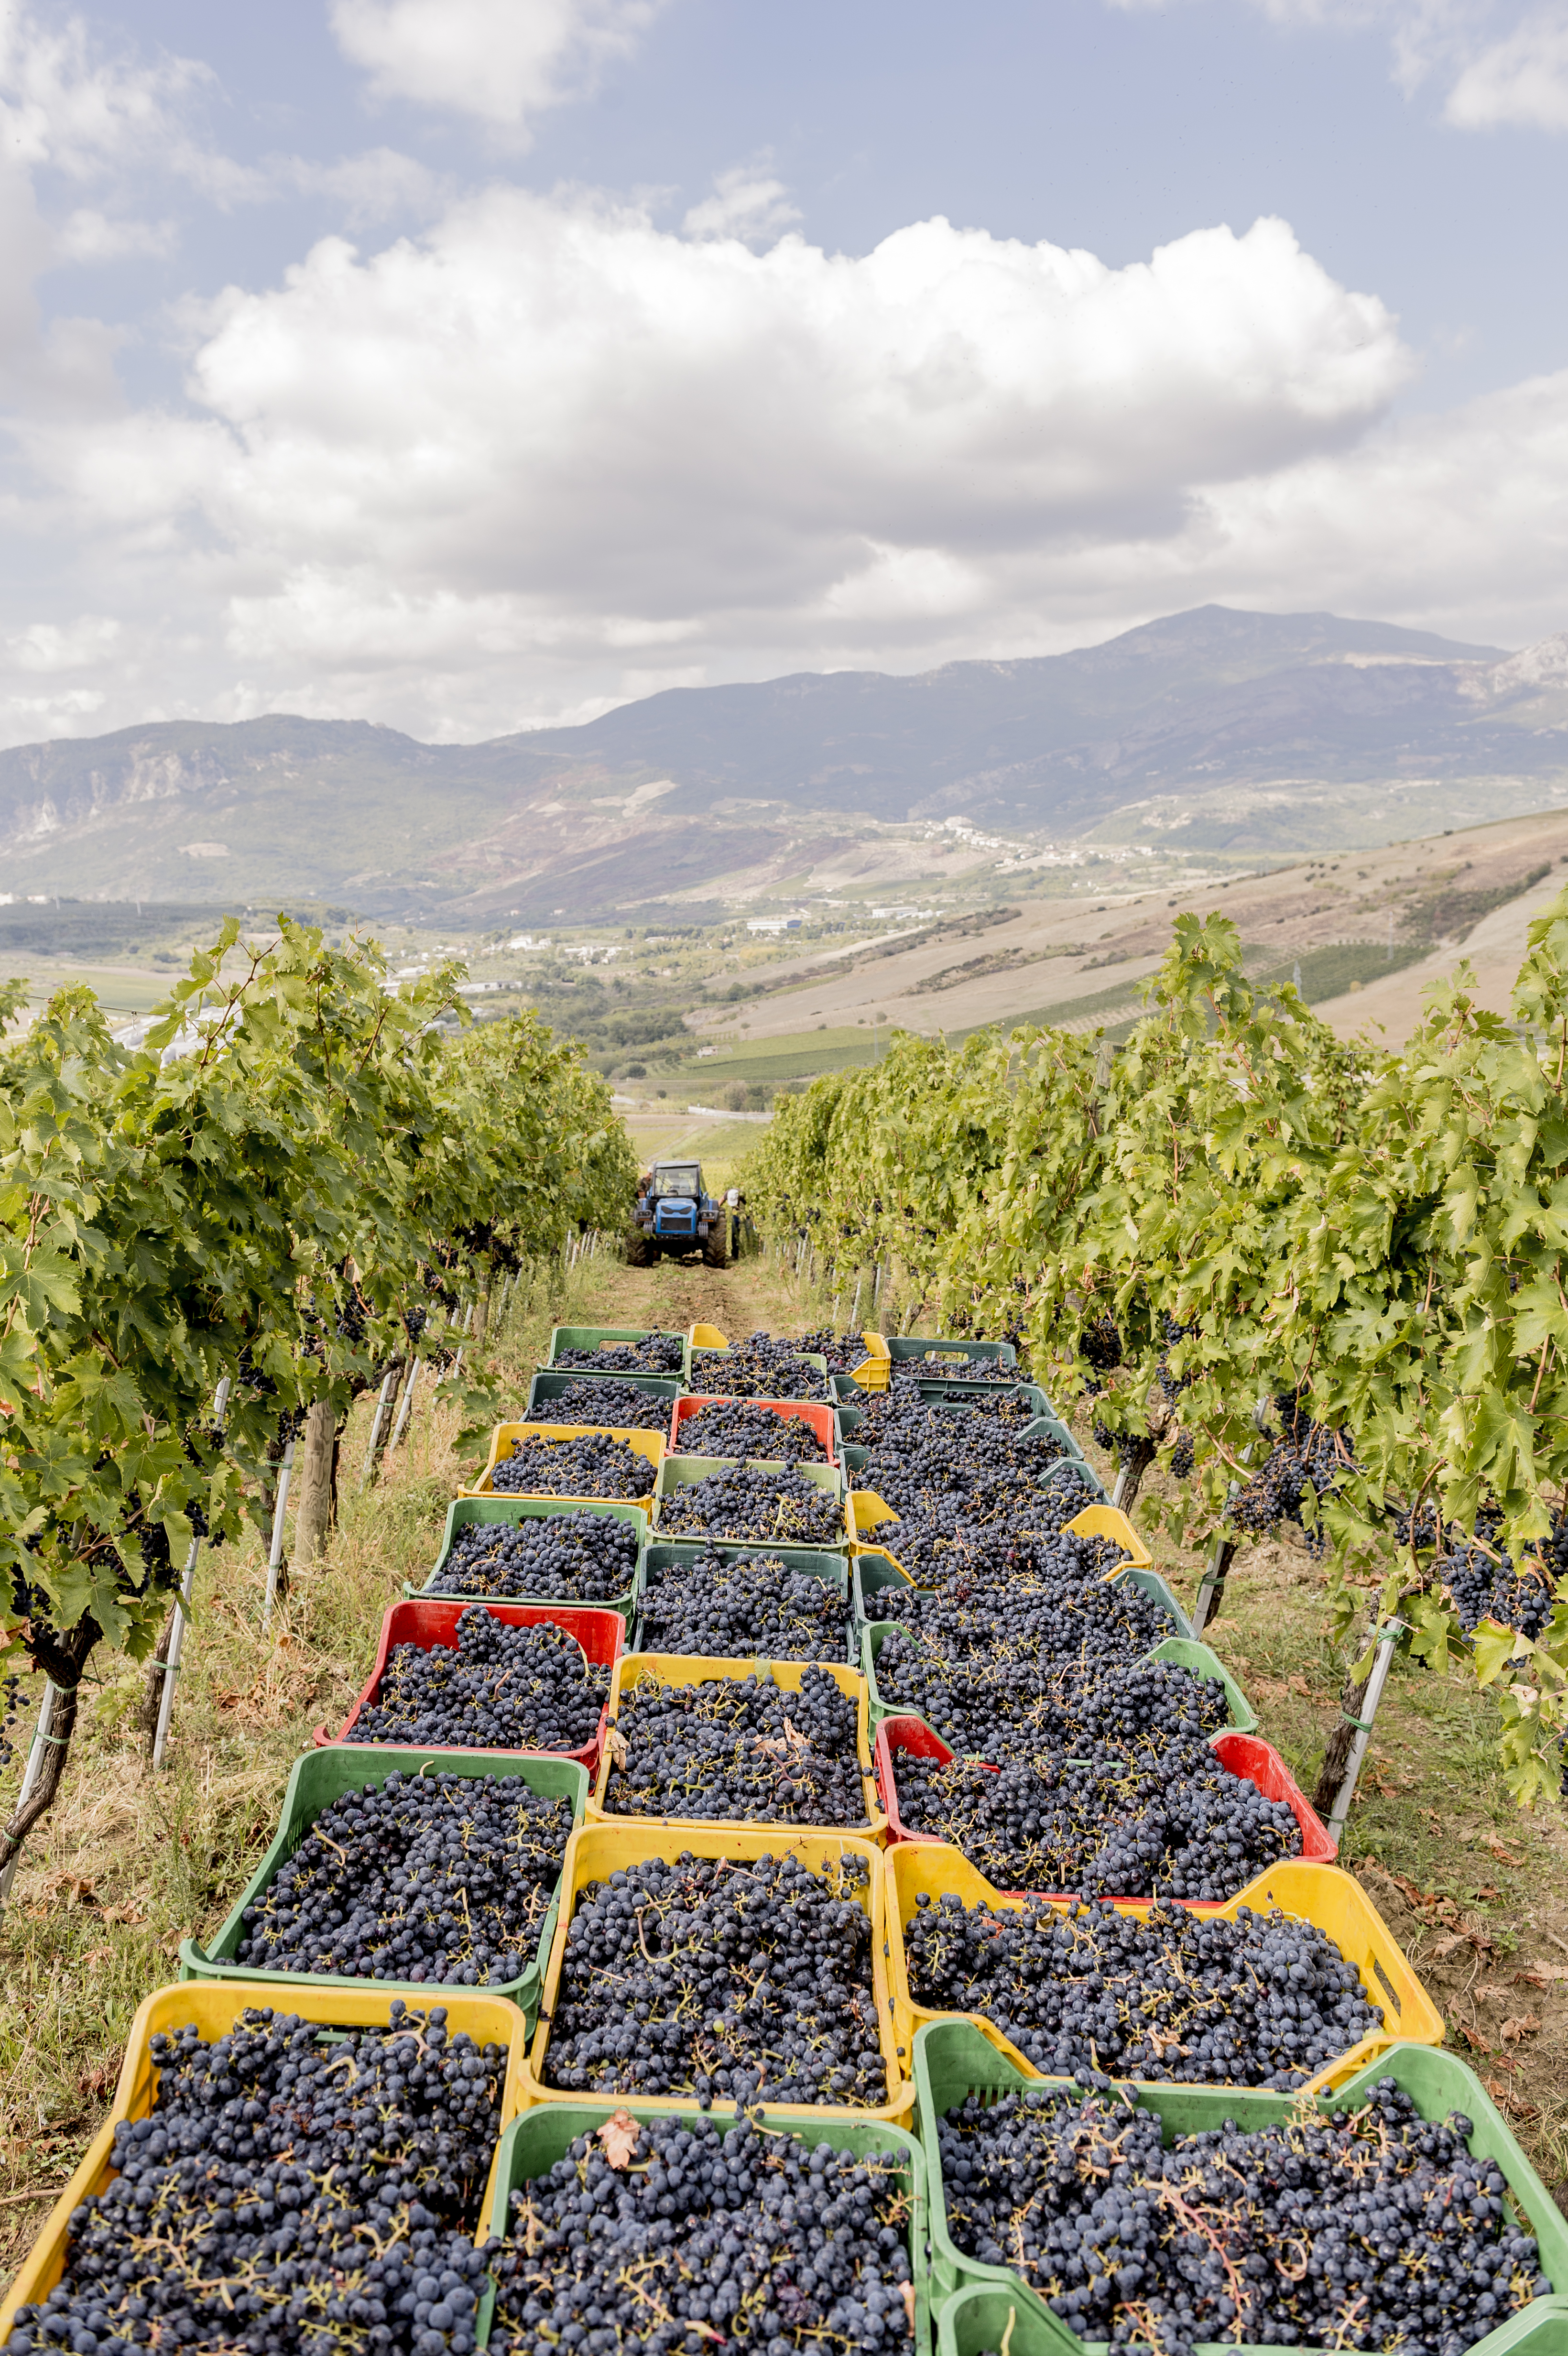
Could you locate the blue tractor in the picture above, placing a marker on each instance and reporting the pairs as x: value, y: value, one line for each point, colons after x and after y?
x: 675, y: 1215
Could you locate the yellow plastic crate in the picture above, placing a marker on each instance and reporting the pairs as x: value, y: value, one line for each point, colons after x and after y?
x: 650, y: 1444
x: 706, y: 1337
x: 875, y: 1370
x: 865, y: 1512
x: 1320, y: 1894
x: 214, y: 2007
x: 697, y: 1669
x: 600, y: 1850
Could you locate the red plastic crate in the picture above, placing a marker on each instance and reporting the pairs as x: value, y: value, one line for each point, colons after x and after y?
x: 1243, y: 1754
x: 425, y: 1622
x: 820, y: 1419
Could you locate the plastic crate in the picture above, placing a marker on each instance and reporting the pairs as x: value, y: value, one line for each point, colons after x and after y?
x: 951, y: 2062
x: 464, y: 1513
x: 1243, y: 1754
x: 534, y: 2142
x: 917, y: 1348
x: 214, y: 2007
x: 1320, y: 1894
x: 1180, y: 1651
x: 874, y: 1569
x: 1039, y: 1430
x: 701, y: 1668
x: 868, y: 1512
x: 428, y: 1621
x: 597, y: 1337
x: 704, y: 1362
x: 680, y: 1472
x: 323, y: 1776
x: 643, y: 1443
x: 548, y: 1383
x: 829, y: 1565
x: 600, y: 1850
x: 822, y: 1420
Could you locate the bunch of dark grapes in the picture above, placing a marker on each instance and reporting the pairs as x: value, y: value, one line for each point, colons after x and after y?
x: 444, y: 1878
x: 915, y: 1466
x: 1100, y: 1346
x: 730, y: 1605
x: 625, y: 1406
x: 655, y: 1353
x: 1262, y: 2001
x: 843, y: 1351
x: 498, y: 1689
x: 736, y: 1428
x: 1116, y: 1714
x: 288, y: 2196
x: 582, y: 1557
x: 1307, y: 1457
x: 1179, y: 1825
x: 11, y: 1701
x: 717, y: 1977
x: 737, y: 1748
x: 778, y: 1507
x: 692, y: 2231
x: 762, y: 1366
x: 1484, y: 1582
x: 592, y: 1466
x: 959, y: 1538
x: 1059, y: 1607
x: 1371, y: 2228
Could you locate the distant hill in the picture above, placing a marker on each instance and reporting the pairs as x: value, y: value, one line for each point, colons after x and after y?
x: 1244, y: 733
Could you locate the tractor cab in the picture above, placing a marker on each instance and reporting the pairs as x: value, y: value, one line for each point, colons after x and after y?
x: 676, y: 1213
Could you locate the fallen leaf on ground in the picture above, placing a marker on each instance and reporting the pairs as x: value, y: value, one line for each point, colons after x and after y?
x: 126, y: 1912
x: 619, y: 2136
x: 1527, y: 2025
x: 1486, y: 1890
x: 1504, y: 1855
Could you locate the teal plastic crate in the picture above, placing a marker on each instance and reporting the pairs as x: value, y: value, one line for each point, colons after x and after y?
x: 324, y: 1775
x: 596, y: 1337
x: 661, y: 1556
x: 877, y: 1570
x: 1065, y: 1453
x: 952, y: 2060
x: 548, y: 1383
x: 949, y: 1354
x: 533, y: 2144
x: 852, y: 1398
x: 464, y: 1512
x: 1183, y: 1652
x: 681, y: 1471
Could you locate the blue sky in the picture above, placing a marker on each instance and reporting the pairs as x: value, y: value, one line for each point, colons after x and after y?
x: 466, y: 364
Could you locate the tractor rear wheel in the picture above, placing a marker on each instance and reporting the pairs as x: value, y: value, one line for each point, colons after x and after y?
x: 716, y: 1247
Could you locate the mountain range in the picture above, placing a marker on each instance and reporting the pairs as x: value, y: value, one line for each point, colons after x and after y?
x: 1221, y: 735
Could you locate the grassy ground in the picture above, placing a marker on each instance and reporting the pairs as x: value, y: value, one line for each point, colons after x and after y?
x: 129, y: 1863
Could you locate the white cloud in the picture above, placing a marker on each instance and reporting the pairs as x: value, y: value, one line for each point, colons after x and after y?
x: 1522, y: 78
x: 546, y: 454
x: 746, y: 203
x: 501, y: 60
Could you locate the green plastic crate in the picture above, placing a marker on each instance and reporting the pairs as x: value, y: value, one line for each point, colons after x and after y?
x: 852, y: 1398
x: 681, y: 1471
x: 903, y: 1348
x: 1184, y: 1652
x: 952, y: 2060
x: 533, y: 2144
x: 550, y: 1382
x: 464, y: 1512
x: 878, y: 1570
x: 815, y: 1562
x: 596, y: 1337
x: 324, y: 1775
